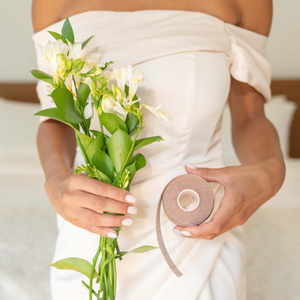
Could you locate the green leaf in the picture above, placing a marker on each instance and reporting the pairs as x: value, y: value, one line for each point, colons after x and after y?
x: 76, y: 264
x: 146, y: 141
x: 141, y: 249
x: 67, y: 31
x: 94, y: 145
x: 58, y: 36
x: 96, y: 132
x: 64, y: 101
x: 42, y: 76
x: 101, y: 176
x: 82, y: 94
x: 118, y: 148
x: 131, y: 121
x: 112, y: 122
x: 103, y: 163
x: 106, y: 140
x: 53, y: 113
x: 92, y: 172
x: 86, y: 42
x: 140, y: 161
x: 85, y: 140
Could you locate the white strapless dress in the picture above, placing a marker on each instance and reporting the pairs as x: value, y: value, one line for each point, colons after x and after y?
x: 188, y: 59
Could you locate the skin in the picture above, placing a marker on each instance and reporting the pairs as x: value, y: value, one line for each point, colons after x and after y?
x: 247, y: 187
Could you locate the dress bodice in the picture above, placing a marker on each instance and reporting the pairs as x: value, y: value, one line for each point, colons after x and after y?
x: 187, y: 58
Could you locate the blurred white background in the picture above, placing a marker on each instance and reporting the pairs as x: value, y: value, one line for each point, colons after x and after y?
x: 27, y: 220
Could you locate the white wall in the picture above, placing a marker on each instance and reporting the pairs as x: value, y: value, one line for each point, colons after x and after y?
x: 284, y: 41
x: 17, y: 56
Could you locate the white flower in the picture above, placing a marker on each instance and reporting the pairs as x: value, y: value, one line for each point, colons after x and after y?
x: 109, y: 75
x: 88, y: 110
x: 130, y: 76
x: 108, y: 102
x: 68, y: 83
x: 88, y: 81
x: 156, y: 111
x: 134, y: 78
x: 51, y: 51
x: 127, y: 102
x: 120, y: 76
x: 120, y: 111
x: 90, y: 59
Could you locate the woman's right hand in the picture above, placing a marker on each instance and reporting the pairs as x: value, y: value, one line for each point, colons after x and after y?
x: 81, y: 200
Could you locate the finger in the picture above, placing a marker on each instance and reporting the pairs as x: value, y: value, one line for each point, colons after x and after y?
x: 211, y: 175
x: 99, y: 188
x: 103, y: 231
x: 99, y: 219
x: 99, y: 203
x: 218, y: 225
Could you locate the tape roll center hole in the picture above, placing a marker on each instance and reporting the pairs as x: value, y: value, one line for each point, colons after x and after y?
x: 188, y: 200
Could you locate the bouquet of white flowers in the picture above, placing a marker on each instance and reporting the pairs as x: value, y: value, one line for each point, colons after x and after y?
x: 79, y: 85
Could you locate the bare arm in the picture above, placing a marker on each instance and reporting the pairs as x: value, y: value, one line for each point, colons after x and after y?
x: 256, y: 143
x: 57, y: 147
x: 75, y: 197
x: 254, y: 137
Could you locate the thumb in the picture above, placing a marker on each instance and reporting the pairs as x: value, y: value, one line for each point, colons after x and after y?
x: 211, y: 175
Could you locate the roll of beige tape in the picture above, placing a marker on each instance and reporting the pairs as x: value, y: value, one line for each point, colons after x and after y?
x: 177, y: 198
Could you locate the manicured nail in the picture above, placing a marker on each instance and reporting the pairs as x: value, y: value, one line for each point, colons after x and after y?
x: 176, y: 231
x: 127, y: 222
x: 185, y: 233
x: 130, y: 198
x: 191, y: 167
x: 132, y: 210
x: 112, y: 235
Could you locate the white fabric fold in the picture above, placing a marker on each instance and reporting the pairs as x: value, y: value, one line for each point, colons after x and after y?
x: 187, y: 59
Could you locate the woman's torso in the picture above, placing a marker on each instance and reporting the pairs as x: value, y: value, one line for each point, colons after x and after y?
x: 187, y: 60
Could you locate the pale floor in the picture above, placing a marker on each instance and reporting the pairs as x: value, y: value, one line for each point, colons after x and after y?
x: 28, y: 230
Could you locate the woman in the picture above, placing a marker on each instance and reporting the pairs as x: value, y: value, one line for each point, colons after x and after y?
x: 196, y: 56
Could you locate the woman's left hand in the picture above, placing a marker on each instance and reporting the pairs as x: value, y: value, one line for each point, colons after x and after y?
x: 247, y: 187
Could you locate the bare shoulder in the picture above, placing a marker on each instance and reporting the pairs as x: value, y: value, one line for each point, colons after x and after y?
x: 46, y: 12
x: 256, y: 15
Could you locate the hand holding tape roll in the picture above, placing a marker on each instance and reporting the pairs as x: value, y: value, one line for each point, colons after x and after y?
x: 173, y: 192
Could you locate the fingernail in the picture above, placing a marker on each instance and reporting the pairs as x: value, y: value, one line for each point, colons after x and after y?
x: 191, y: 167
x: 132, y: 210
x: 176, y: 231
x: 130, y: 198
x: 112, y: 235
x: 127, y: 222
x: 185, y: 233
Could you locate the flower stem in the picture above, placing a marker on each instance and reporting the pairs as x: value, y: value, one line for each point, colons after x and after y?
x: 81, y: 148
x: 94, y: 293
x: 93, y: 269
x: 133, y: 144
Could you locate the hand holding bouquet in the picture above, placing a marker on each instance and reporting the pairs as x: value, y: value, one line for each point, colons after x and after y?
x: 81, y: 85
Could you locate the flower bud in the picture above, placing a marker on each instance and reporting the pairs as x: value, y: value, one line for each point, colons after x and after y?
x: 76, y: 63
x: 80, y: 66
x: 61, y: 61
x: 98, y: 71
x: 119, y: 94
x: 113, y: 89
x: 93, y: 85
x: 107, y: 104
x: 69, y: 64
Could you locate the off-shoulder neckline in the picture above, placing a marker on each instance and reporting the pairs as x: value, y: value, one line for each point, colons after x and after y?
x: 152, y: 10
